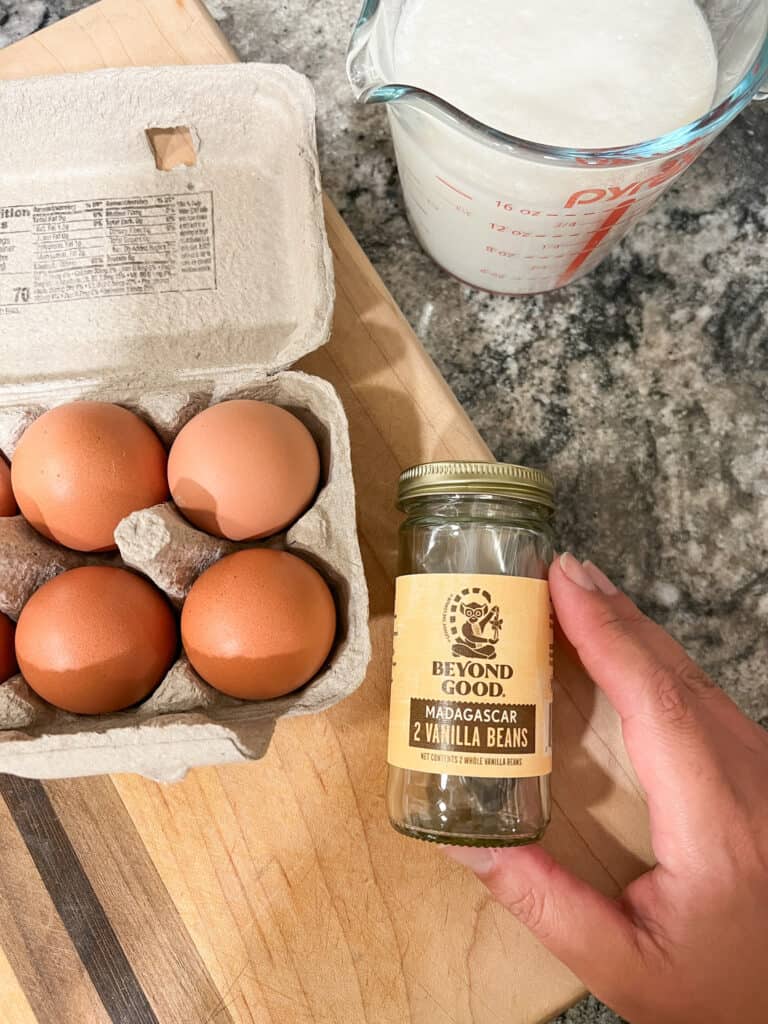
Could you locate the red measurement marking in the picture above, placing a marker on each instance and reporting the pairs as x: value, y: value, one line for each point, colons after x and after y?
x: 595, y: 240
x: 553, y: 214
x: 453, y: 187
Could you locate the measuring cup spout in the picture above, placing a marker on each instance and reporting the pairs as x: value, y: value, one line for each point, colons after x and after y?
x: 367, y: 56
x: 360, y: 70
x: 370, y: 58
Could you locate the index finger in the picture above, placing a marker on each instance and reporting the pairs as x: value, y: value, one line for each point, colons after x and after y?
x: 659, y: 692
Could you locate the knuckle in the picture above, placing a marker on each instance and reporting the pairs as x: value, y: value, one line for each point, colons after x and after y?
x: 653, y: 945
x: 528, y: 907
x: 619, y: 626
x: 615, y: 631
x: 695, y: 679
x: 669, y: 695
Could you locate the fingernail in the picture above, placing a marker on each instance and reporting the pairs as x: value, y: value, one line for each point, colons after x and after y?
x: 600, y: 580
x: 476, y: 858
x: 576, y: 572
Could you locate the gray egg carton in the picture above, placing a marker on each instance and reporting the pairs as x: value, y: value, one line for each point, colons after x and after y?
x: 260, y: 296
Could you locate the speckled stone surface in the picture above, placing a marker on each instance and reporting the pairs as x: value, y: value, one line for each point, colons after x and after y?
x: 643, y: 388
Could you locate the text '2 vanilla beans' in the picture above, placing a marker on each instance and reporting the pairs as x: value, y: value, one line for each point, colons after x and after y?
x: 470, y: 734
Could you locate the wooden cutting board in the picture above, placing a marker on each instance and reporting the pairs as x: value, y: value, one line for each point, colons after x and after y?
x: 277, y: 892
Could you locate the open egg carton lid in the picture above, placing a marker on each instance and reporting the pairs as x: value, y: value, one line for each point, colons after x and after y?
x: 111, y: 267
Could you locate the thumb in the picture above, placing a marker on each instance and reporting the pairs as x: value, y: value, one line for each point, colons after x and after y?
x: 587, y: 931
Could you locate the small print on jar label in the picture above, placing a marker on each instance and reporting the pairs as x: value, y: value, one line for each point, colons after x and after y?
x: 472, y: 676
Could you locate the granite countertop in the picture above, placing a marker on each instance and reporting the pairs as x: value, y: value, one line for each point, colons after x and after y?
x: 641, y: 388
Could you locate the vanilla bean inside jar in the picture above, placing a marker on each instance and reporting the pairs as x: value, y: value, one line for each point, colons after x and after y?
x: 470, y: 748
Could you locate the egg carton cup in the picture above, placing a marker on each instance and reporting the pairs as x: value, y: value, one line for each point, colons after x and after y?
x: 185, y: 720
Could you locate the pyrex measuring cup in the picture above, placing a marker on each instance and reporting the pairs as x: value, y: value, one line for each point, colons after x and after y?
x: 518, y: 217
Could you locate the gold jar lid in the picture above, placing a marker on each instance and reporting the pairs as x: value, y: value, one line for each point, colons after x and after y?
x: 497, y: 478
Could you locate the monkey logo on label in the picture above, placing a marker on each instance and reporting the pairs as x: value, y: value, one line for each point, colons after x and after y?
x: 473, y: 624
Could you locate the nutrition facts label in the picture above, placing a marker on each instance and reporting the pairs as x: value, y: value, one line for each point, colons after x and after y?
x: 140, y: 245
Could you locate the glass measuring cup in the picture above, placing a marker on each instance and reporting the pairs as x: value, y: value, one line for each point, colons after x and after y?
x: 518, y: 217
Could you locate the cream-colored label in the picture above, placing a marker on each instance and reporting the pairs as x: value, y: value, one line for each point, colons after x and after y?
x: 472, y: 676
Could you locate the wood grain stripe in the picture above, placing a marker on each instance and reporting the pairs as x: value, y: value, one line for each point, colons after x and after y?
x: 78, y: 908
x: 46, y: 969
x: 167, y: 965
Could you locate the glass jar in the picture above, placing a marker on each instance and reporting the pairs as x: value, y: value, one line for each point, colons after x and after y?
x: 470, y: 722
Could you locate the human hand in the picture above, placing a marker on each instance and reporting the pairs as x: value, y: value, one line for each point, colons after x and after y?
x: 687, y: 942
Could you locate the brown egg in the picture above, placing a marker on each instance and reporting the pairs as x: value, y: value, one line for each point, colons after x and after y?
x: 243, y: 469
x: 95, y: 640
x: 8, y: 666
x: 7, y: 500
x: 81, y: 468
x: 258, y: 624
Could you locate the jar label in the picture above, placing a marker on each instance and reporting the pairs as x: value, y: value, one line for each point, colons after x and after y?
x: 472, y: 676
